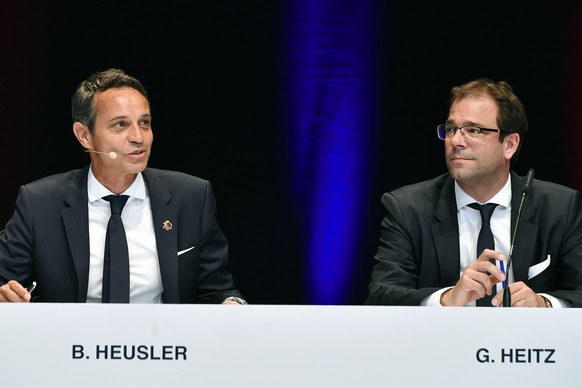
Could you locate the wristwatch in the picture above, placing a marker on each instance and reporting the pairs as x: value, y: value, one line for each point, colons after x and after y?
x: 548, y: 303
x: 235, y: 299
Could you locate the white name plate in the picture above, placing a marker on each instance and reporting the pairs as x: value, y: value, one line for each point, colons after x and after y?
x: 94, y: 345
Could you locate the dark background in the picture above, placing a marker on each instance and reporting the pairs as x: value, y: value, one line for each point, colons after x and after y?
x: 213, y: 70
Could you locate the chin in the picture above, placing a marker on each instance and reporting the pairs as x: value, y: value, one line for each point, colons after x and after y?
x: 459, y: 173
x: 136, y: 168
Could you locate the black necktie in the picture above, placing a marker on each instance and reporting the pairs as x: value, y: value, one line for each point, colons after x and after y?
x: 485, y: 241
x: 116, y: 259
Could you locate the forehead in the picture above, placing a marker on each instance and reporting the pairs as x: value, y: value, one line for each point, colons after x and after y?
x: 121, y: 101
x: 474, y: 109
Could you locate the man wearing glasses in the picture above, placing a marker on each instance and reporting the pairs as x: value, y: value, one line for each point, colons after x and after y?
x: 439, y: 245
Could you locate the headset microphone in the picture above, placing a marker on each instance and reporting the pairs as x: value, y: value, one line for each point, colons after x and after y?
x: 112, y: 155
x: 526, y: 187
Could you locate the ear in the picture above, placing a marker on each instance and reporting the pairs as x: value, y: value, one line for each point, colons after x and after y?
x: 511, y: 142
x: 83, y: 134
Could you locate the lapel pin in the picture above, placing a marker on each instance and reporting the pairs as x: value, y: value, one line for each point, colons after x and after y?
x: 167, y: 225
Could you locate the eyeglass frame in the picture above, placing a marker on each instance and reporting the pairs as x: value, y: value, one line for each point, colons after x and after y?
x: 481, y: 129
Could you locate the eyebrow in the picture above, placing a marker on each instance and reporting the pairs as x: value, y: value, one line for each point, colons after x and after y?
x: 466, y: 123
x: 124, y: 117
x: 117, y: 118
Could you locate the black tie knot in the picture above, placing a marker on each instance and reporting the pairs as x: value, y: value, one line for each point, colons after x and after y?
x: 117, y: 202
x: 485, y: 210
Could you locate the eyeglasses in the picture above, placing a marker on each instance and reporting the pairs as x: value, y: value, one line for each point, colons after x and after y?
x: 447, y: 131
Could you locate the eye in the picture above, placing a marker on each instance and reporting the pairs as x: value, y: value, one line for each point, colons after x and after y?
x: 145, y: 123
x: 473, y: 130
x: 450, y: 129
x: 120, y: 124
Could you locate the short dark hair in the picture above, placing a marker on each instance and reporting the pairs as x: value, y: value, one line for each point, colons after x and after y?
x: 82, y: 108
x: 511, y: 117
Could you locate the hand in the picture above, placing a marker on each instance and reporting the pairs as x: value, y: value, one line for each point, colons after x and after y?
x: 477, y: 281
x: 521, y: 296
x: 14, y: 292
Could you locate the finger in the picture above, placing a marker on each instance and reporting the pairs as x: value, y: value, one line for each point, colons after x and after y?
x: 493, y: 274
x: 464, y: 292
x: 477, y: 284
x: 15, y: 292
x: 498, y: 299
x: 523, y: 296
x: 7, y: 295
x: 489, y: 254
x: 496, y: 275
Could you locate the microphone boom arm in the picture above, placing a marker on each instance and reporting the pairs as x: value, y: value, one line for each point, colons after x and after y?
x: 526, y: 188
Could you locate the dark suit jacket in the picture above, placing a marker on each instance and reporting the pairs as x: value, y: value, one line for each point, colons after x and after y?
x: 47, y: 238
x: 418, y: 252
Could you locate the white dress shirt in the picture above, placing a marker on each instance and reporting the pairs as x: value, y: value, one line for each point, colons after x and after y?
x: 144, y: 271
x: 469, y: 226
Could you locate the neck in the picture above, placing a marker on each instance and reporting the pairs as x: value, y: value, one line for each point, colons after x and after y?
x: 485, y: 189
x: 116, y: 184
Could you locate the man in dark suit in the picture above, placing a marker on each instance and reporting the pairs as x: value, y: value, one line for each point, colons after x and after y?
x: 57, y: 235
x: 428, y: 250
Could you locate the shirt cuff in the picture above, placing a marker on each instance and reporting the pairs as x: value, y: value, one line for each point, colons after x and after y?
x: 434, y: 299
x: 556, y: 302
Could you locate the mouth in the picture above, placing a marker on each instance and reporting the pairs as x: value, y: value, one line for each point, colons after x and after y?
x: 459, y: 160
x: 458, y: 156
x: 137, y: 152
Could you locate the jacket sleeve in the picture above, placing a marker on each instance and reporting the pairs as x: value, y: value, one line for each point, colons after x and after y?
x: 395, y: 276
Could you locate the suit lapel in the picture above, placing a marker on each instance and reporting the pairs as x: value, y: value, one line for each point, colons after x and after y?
x: 76, y: 222
x: 165, y: 219
x: 445, y: 234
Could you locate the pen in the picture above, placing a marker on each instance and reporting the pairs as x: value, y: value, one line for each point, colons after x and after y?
x: 504, y: 283
x: 31, y: 287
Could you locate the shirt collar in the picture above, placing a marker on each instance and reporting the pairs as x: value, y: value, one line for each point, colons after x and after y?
x: 502, y: 198
x: 95, y: 190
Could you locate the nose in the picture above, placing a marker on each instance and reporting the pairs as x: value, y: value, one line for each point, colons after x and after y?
x: 458, y: 139
x: 135, y: 134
